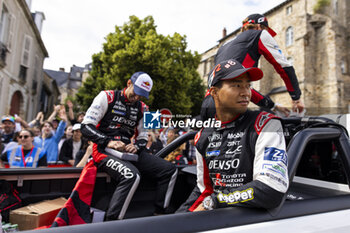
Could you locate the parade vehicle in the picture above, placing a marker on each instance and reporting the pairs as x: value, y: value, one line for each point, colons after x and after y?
x: 318, y: 199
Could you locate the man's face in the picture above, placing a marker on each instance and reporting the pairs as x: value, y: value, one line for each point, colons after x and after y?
x: 234, y: 95
x: 47, y: 129
x: 130, y: 94
x: 8, y: 126
x: 77, y: 135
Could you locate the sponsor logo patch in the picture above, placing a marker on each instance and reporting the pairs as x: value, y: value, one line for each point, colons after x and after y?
x: 237, y: 196
x: 110, y: 96
x: 224, y: 164
x: 122, y: 169
x: 261, y: 19
x: 261, y: 120
x: 119, y: 112
x: 213, y: 153
x: 276, y: 169
x: 276, y: 155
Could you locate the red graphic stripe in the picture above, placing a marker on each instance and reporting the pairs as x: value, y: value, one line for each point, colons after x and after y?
x: 256, y: 97
x: 263, y: 50
x: 208, y: 188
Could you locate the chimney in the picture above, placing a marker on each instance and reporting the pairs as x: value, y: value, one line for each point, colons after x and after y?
x: 39, y: 18
x: 61, y: 69
x: 224, y: 33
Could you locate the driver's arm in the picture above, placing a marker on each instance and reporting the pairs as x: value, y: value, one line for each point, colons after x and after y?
x: 270, y: 173
x: 261, y: 100
x: 93, y: 116
x: 269, y: 48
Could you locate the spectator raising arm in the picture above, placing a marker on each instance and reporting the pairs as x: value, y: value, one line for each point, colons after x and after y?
x: 70, y: 110
x: 39, y: 120
x: 62, y: 125
x: 23, y: 123
x: 54, y: 113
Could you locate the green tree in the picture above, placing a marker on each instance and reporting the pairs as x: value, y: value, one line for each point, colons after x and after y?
x: 136, y: 46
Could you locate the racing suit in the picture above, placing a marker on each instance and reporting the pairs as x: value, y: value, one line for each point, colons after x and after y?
x: 243, y: 163
x: 112, y: 117
x: 247, y: 48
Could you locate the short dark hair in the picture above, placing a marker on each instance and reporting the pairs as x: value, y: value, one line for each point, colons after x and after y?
x: 48, y: 122
x: 80, y: 113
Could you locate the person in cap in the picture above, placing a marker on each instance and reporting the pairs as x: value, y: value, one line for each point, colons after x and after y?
x: 71, y: 146
x: 8, y: 129
x: 256, y: 39
x: 114, y: 117
x: 243, y: 162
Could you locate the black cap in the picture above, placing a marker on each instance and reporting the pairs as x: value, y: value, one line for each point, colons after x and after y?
x: 260, y: 19
x: 231, y: 69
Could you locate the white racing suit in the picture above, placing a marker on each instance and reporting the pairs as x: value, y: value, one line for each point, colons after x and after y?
x: 243, y: 163
x: 112, y: 117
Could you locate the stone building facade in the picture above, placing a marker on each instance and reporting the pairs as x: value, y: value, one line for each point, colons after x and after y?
x: 69, y: 82
x: 22, y: 53
x: 316, y: 39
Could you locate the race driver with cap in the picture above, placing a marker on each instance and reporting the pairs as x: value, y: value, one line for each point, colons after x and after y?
x: 110, y: 122
x: 244, y: 162
x: 256, y: 39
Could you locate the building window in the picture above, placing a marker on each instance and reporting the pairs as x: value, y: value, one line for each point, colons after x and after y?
x: 289, y: 10
x: 343, y: 66
x: 26, y: 50
x: 35, y: 75
x: 335, y: 7
x: 22, y: 74
x: 36, y: 68
x: 7, y: 22
x: 205, y: 67
x: 4, y: 25
x: 289, y: 36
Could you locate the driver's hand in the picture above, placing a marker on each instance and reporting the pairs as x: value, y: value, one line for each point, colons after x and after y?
x: 200, y: 208
x: 116, y: 145
x: 130, y: 148
x: 298, y: 106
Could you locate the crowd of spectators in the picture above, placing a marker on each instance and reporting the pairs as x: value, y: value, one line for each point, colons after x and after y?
x: 55, y: 141
x: 58, y: 141
x: 185, y: 153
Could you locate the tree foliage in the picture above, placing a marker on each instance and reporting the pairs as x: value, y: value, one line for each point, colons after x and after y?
x: 320, y: 5
x: 136, y: 46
